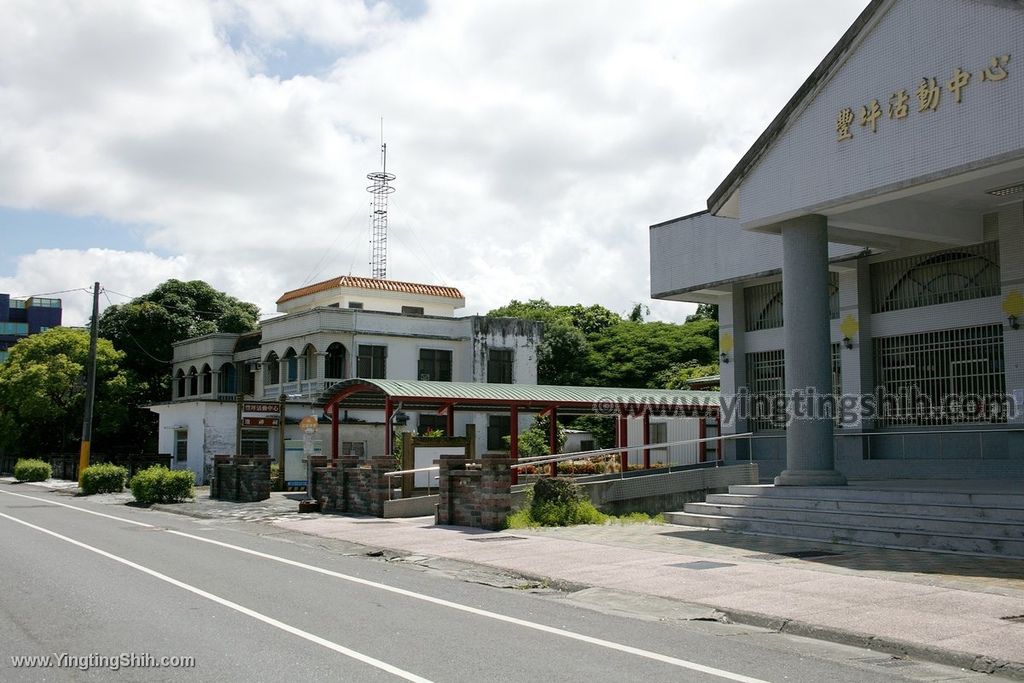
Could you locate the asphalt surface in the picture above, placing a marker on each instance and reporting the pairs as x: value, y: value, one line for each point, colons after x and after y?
x: 258, y: 603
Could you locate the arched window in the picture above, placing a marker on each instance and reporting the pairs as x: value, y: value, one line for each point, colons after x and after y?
x: 291, y: 365
x: 334, y: 367
x: 309, y: 369
x: 207, y: 376
x: 193, y: 381
x: 272, y: 369
x: 228, y: 383
x: 181, y: 383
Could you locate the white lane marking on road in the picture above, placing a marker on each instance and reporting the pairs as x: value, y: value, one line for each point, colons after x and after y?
x: 75, y: 507
x: 341, y: 649
x: 628, y: 649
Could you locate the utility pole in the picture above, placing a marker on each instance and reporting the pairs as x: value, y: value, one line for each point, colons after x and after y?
x: 90, y: 381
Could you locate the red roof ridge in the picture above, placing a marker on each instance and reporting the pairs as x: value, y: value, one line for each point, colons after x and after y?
x: 372, y: 284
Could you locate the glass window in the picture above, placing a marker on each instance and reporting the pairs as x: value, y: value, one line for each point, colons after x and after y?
x: 334, y: 363
x: 18, y: 303
x: 272, y: 370
x: 372, y: 361
x: 291, y: 365
x: 14, y: 329
x: 355, y: 304
x: 428, y: 423
x: 499, y: 366
x: 412, y: 310
x: 181, y: 445
x: 353, y: 448
x: 498, y: 427
x: 435, y: 365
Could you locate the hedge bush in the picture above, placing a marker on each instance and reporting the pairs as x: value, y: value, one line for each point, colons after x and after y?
x: 158, y: 484
x: 556, y: 502
x: 31, y: 469
x: 103, y: 478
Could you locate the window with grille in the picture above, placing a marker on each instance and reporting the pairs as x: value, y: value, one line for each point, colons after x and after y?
x: 255, y: 442
x: 499, y: 366
x: 940, y: 378
x: 937, y: 278
x: 435, y: 365
x: 371, y: 363
x: 766, y: 380
x: 763, y: 304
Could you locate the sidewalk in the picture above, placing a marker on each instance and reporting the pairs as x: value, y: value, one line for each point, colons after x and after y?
x: 952, y: 609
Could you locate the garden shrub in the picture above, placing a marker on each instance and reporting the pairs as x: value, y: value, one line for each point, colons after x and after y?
x: 559, y: 502
x: 158, y: 484
x: 103, y: 478
x: 31, y: 469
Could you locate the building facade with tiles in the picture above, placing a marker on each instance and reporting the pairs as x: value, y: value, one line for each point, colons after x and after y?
x: 343, y: 328
x: 21, y: 317
x: 867, y: 253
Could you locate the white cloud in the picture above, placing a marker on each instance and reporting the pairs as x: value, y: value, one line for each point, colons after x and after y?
x: 534, y: 142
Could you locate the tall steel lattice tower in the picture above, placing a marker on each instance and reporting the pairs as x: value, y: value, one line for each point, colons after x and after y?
x: 380, y: 189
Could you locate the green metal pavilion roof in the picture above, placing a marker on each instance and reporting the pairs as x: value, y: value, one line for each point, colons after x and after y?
x: 373, y: 393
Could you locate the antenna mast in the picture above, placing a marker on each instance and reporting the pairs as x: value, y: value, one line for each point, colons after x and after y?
x: 380, y: 189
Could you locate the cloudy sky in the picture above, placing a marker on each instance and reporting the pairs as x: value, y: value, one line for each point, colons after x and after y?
x: 229, y: 140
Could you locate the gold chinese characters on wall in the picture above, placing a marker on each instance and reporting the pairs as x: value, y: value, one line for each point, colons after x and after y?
x: 927, y: 98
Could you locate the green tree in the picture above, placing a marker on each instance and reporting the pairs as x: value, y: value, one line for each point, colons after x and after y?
x: 147, y: 327
x: 536, y: 439
x: 42, y: 392
x: 676, y: 376
x: 601, y: 427
x: 704, y: 312
x: 563, y: 356
x: 633, y: 354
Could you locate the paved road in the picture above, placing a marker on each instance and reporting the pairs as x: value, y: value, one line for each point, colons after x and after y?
x: 248, y: 602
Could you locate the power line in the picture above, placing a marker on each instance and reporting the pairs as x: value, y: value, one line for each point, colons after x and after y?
x: 132, y: 337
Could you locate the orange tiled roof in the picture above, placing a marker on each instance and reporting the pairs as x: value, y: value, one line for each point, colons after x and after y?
x: 370, y: 283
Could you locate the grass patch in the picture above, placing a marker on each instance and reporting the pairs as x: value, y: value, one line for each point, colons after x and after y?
x: 558, y: 502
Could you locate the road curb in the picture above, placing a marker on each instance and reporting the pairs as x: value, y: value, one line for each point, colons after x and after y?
x: 894, y: 646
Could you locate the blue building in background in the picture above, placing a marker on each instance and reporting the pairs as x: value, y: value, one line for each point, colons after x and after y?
x: 21, y: 317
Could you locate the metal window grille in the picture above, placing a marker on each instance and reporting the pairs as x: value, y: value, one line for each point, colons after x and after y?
x: 941, y: 378
x: 937, y: 278
x: 766, y: 377
x: 763, y: 304
x: 255, y: 442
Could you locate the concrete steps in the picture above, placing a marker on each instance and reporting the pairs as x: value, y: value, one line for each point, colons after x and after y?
x: 976, y: 523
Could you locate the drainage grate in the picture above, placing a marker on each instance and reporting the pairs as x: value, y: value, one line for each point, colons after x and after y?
x: 795, y: 554
x: 1018, y: 618
x: 494, y: 539
x: 702, y: 564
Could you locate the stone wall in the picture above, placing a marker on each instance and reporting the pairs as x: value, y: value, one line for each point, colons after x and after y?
x: 241, y: 479
x: 475, y: 493
x: 353, y: 486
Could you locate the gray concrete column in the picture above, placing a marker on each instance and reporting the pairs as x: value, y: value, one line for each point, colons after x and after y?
x: 810, y: 460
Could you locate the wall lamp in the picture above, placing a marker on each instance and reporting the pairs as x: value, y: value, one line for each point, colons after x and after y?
x: 1014, y: 322
x: 724, y: 357
x: 847, y: 342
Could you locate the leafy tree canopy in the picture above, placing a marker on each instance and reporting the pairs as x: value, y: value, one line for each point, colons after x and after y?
x: 704, y: 312
x: 146, y: 327
x: 593, y: 346
x: 677, y: 375
x: 42, y: 391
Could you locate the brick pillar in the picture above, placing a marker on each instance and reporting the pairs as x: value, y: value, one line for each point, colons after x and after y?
x: 346, y: 463
x: 495, y: 491
x: 379, y: 484
x: 444, y: 483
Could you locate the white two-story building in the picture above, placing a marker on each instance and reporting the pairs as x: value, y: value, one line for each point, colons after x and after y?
x: 343, y: 328
x: 870, y: 247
